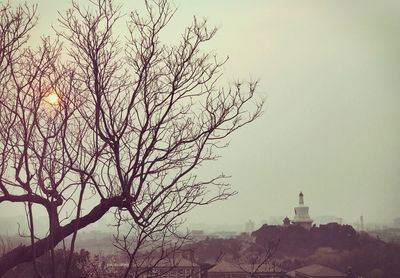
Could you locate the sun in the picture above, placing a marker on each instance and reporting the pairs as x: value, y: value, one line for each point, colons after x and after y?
x: 52, y: 98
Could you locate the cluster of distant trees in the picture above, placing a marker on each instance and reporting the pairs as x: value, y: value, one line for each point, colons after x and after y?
x: 388, y: 234
x: 337, y: 246
x: 82, y: 265
x: 297, y: 241
x: 334, y: 245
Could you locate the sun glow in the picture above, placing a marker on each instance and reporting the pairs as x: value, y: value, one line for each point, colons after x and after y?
x: 52, y: 98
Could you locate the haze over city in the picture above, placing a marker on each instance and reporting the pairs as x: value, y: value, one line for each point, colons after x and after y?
x: 199, y: 139
x: 329, y: 73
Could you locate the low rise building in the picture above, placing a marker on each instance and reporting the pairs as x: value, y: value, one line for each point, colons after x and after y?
x: 316, y: 271
x: 165, y: 268
x: 226, y: 269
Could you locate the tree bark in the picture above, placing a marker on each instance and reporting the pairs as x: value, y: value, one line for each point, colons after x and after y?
x: 23, y: 253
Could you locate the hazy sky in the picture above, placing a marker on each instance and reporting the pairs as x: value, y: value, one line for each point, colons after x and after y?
x: 330, y: 71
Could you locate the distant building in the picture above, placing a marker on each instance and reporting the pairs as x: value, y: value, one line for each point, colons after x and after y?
x: 249, y: 227
x: 235, y: 270
x: 315, y: 271
x: 318, y: 220
x: 273, y: 220
x: 301, y: 216
x: 286, y: 221
x: 396, y: 222
x: 152, y: 268
x: 226, y: 234
x: 361, y: 223
x: 198, y: 235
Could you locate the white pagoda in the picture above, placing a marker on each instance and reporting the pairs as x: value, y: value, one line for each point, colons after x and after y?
x: 301, y: 216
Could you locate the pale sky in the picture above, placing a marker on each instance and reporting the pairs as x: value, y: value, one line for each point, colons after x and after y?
x: 330, y: 71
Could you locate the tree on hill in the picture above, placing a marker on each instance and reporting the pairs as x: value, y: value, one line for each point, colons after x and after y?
x: 334, y: 245
x: 365, y: 255
x: 302, y: 242
x: 255, y: 258
x: 126, y: 123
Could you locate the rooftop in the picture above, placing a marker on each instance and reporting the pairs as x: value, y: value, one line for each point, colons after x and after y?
x: 315, y: 270
x: 225, y: 266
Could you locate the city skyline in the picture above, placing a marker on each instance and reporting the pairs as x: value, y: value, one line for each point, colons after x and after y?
x: 329, y: 74
x: 204, y: 139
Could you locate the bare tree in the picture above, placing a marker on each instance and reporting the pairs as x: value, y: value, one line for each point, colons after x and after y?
x: 256, y: 259
x: 31, y: 145
x: 5, y: 245
x: 146, y: 246
x: 126, y: 122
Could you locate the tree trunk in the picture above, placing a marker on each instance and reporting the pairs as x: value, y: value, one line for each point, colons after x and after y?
x: 23, y: 253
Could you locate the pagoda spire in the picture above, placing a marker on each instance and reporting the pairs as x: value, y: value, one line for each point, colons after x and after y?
x: 301, y: 216
x: 301, y: 199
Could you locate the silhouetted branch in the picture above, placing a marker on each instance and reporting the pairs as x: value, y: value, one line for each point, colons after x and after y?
x: 129, y: 124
